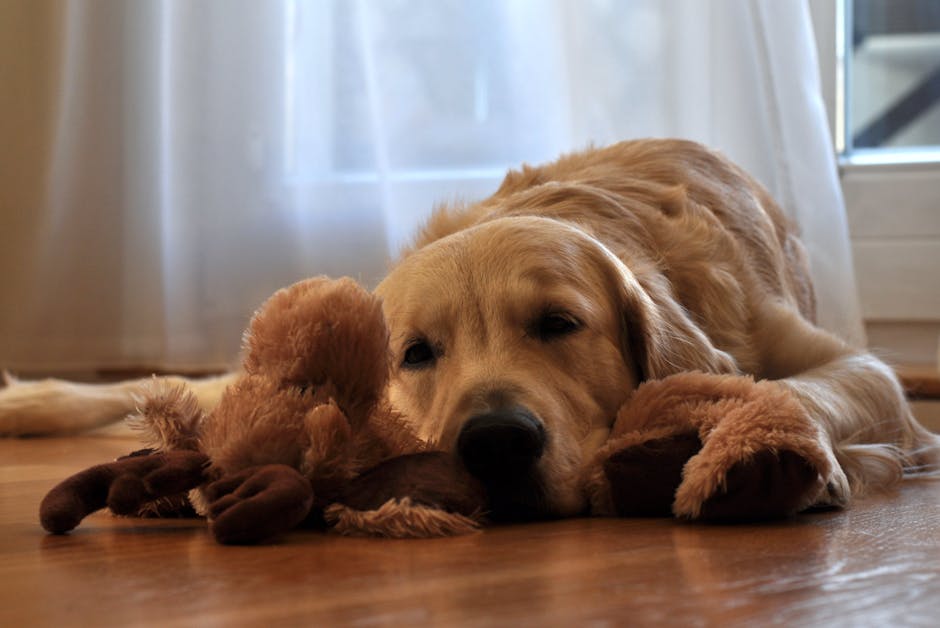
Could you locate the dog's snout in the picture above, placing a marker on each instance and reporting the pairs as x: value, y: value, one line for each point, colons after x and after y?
x: 500, y: 443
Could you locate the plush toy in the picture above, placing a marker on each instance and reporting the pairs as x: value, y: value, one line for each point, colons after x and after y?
x: 305, y: 437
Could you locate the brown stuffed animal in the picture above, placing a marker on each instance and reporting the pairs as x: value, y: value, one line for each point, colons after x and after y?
x: 305, y: 436
x: 712, y: 447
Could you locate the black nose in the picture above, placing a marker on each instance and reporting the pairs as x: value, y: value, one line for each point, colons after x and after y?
x: 501, y: 443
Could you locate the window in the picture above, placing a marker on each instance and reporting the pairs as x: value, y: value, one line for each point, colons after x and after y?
x: 451, y: 90
x: 891, y: 80
x: 410, y: 108
x: 880, y: 71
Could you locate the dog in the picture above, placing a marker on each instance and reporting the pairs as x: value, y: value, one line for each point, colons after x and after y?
x: 521, y: 323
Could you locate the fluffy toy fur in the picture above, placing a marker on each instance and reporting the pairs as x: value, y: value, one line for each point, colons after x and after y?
x: 716, y: 447
x: 305, y: 436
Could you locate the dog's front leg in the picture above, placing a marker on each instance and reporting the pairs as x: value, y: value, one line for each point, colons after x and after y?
x: 855, y: 399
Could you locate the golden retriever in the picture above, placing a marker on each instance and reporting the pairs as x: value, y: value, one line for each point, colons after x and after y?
x: 521, y: 323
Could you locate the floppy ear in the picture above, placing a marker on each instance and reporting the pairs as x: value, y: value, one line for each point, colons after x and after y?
x: 659, y: 336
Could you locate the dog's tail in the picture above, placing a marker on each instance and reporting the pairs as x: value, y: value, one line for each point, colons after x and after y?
x: 55, y: 407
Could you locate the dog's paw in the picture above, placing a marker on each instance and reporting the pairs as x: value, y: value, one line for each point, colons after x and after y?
x: 257, y: 504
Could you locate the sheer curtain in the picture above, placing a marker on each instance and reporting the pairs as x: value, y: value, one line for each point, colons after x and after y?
x: 173, y: 162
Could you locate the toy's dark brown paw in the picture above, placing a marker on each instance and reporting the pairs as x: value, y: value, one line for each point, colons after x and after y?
x: 769, y: 485
x: 435, y: 479
x: 643, y: 477
x: 420, y: 495
x: 124, y: 486
x: 258, y: 503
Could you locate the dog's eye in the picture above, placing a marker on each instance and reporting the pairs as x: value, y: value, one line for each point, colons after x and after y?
x: 553, y: 325
x: 418, y: 355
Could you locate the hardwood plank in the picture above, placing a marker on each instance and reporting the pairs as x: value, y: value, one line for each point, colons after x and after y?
x: 877, y: 563
x: 920, y: 382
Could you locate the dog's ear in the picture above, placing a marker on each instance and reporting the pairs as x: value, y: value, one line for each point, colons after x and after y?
x: 658, y: 335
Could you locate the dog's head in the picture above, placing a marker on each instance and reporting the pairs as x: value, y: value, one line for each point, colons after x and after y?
x: 515, y: 342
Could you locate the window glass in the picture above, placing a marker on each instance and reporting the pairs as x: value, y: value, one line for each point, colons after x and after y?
x: 892, y: 74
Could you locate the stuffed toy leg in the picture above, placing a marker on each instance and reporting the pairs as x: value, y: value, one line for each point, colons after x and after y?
x: 143, y: 483
x: 711, y: 447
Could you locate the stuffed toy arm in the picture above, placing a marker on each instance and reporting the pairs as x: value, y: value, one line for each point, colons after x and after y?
x: 257, y: 504
x: 713, y: 447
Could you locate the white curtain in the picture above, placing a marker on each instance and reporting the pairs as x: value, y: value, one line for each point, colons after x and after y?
x: 171, y: 163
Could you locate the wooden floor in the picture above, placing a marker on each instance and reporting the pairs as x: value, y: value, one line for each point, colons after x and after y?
x: 876, y: 564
